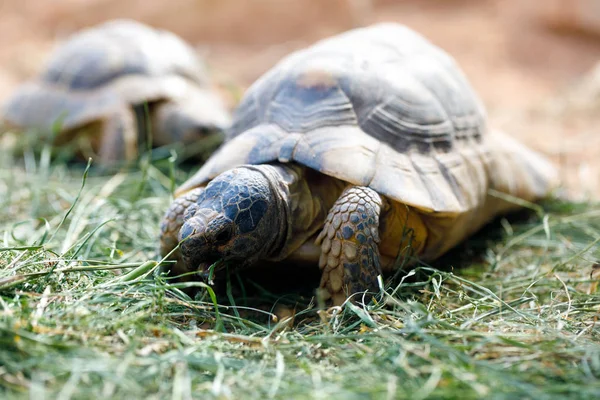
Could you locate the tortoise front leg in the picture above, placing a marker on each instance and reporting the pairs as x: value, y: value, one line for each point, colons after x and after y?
x: 119, y: 140
x: 350, y: 245
x: 169, y: 230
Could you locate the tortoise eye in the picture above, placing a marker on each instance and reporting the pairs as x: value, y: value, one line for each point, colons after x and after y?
x: 204, y: 130
x: 224, y: 235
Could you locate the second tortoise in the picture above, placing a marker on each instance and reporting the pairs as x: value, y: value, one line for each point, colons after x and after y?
x: 114, y: 85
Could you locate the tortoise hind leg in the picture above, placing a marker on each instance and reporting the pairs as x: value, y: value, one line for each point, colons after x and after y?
x: 349, y: 241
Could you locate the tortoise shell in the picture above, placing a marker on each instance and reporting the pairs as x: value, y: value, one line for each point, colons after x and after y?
x: 99, y: 69
x: 96, y: 56
x: 378, y: 106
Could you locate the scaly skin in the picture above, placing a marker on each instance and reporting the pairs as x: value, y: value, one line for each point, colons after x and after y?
x: 170, y: 226
x: 349, y: 241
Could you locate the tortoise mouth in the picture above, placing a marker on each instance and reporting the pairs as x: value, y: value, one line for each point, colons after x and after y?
x: 197, y: 260
x: 203, y: 268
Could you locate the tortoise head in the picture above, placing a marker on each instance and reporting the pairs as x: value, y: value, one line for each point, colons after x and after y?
x: 238, y: 218
x: 190, y: 119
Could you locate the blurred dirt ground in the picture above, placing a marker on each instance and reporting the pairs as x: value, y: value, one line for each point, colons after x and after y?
x: 530, y: 61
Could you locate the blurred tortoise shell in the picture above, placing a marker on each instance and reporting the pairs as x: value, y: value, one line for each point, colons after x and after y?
x: 103, y: 79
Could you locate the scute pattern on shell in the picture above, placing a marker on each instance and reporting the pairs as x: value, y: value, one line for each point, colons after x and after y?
x: 380, y: 107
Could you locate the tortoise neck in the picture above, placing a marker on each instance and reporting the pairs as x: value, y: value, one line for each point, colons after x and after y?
x: 302, y: 197
x: 281, y: 179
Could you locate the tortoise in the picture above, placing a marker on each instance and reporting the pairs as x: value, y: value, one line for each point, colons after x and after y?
x: 364, y: 149
x: 99, y: 84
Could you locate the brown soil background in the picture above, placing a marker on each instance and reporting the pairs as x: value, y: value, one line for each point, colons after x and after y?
x: 527, y: 59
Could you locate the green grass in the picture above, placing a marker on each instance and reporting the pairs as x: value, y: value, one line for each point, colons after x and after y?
x: 510, y: 314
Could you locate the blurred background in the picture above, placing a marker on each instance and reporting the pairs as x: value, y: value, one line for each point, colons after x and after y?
x: 534, y: 63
